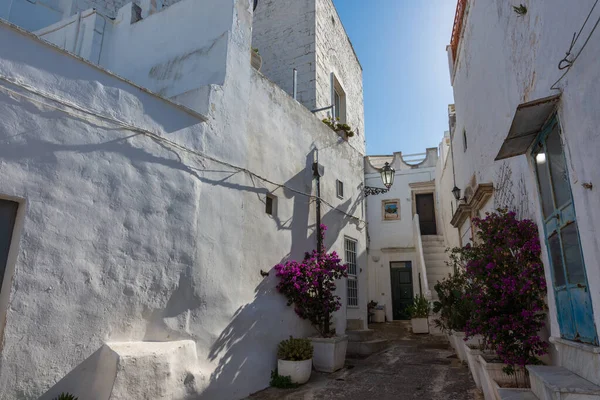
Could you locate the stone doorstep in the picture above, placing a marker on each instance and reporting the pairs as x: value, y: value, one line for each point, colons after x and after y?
x: 549, y: 382
x: 359, y: 335
x: 512, y: 394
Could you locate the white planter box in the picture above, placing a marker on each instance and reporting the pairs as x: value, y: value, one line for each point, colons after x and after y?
x: 459, y: 345
x: 298, y: 371
x: 379, y: 316
x: 420, y: 325
x: 496, y: 390
x: 329, y: 354
x: 491, y: 373
x: 474, y: 365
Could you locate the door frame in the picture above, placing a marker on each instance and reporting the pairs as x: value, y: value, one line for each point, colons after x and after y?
x: 425, y: 188
x: 412, y: 283
x: 542, y: 137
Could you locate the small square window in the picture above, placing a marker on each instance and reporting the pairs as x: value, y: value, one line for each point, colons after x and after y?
x: 339, y: 188
x: 270, y: 204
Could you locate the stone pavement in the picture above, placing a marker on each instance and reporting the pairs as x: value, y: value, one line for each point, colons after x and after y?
x: 413, y: 367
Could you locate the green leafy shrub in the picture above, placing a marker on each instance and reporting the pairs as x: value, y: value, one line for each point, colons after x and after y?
x: 295, y: 350
x: 453, y: 307
x: 420, y: 307
x: 66, y: 396
x: 281, y: 382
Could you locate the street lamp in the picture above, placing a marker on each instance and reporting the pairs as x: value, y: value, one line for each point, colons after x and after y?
x: 456, y: 193
x: 387, y: 176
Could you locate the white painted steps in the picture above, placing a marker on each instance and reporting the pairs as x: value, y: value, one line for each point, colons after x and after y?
x: 558, y: 383
x: 434, y: 254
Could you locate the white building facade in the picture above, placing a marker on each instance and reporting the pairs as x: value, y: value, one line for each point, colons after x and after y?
x: 406, y: 252
x: 525, y: 137
x: 145, y: 191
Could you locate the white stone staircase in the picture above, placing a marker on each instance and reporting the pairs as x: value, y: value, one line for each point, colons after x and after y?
x: 434, y: 254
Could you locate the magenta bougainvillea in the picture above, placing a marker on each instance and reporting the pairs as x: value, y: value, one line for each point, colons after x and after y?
x: 509, y: 310
x: 309, y: 285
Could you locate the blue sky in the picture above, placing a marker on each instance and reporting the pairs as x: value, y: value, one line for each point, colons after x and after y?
x: 401, y: 45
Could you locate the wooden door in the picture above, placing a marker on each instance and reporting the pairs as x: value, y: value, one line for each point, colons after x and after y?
x: 426, y: 211
x: 8, y: 214
x: 402, y: 288
x: 569, y: 278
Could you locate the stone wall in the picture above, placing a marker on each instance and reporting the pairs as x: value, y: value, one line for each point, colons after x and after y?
x: 284, y: 34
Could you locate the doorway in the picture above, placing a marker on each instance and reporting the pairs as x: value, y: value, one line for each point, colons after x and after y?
x: 8, y: 215
x: 402, y: 288
x: 426, y: 211
x: 569, y: 279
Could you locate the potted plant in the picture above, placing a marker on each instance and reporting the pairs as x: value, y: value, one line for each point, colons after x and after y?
x: 310, y: 286
x: 294, y: 359
x: 344, y: 130
x: 505, y: 265
x: 419, y: 314
x: 255, y: 59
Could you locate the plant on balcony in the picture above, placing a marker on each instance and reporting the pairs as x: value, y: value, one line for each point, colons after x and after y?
x: 509, y: 309
x: 310, y: 286
x: 338, y: 127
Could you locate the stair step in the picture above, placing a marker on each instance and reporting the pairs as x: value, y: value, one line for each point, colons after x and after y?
x: 432, y: 238
x: 434, y: 250
x: 366, y: 348
x: 435, y: 257
x: 516, y: 394
x: 549, y: 383
x: 361, y: 335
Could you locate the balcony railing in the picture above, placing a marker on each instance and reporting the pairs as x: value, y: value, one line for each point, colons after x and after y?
x: 458, y: 24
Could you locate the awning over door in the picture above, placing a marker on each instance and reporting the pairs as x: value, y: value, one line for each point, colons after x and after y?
x: 527, y: 123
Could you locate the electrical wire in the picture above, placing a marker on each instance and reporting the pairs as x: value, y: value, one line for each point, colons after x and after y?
x: 154, y: 136
x: 565, y: 63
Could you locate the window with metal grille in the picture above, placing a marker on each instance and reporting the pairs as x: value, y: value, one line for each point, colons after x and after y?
x: 350, y: 250
x: 339, y: 185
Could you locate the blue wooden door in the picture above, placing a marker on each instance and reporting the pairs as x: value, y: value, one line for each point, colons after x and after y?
x: 573, y: 302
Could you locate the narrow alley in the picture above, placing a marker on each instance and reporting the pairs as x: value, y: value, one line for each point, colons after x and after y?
x: 412, y: 367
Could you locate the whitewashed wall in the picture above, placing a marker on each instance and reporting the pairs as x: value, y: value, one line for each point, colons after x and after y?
x: 126, y: 238
x: 393, y: 240
x: 505, y: 60
x: 444, y: 183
